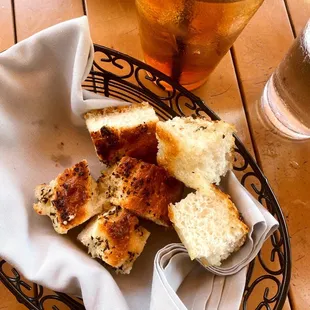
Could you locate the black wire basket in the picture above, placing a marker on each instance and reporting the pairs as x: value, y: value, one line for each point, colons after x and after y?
x: 122, y: 77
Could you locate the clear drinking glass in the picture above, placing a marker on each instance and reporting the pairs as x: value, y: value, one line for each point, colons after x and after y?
x: 186, y: 39
x: 285, y: 102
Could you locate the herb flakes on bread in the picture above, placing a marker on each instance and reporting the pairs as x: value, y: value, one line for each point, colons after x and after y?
x: 142, y: 188
x: 195, y: 151
x: 116, y: 238
x: 69, y: 200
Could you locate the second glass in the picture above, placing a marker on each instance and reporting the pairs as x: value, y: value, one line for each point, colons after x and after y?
x: 186, y: 39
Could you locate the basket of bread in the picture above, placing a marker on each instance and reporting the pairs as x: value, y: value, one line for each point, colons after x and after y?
x: 164, y: 172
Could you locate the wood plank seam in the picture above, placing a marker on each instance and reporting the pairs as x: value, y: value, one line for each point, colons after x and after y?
x: 289, y: 296
x: 243, y: 98
x: 255, y: 148
x: 14, y: 21
x: 242, y: 95
x: 290, y: 18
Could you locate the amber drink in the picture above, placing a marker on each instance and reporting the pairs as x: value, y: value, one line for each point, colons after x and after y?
x: 186, y: 39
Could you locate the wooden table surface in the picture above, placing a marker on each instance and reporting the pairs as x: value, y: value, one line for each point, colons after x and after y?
x: 233, y: 91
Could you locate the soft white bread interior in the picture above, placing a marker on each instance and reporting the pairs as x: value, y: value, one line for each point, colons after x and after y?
x: 125, y: 130
x: 69, y: 200
x: 209, y: 225
x: 195, y: 151
x: 105, y: 185
x: 116, y: 238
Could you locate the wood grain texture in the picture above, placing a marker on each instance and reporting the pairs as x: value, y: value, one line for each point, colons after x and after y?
x: 35, y: 15
x: 8, y: 300
x: 6, y: 22
x: 285, y: 162
x: 113, y: 23
x: 221, y: 94
x: 299, y: 11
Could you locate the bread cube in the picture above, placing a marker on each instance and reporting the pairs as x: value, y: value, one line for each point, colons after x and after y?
x: 126, y: 130
x: 144, y: 189
x: 69, y: 200
x: 195, y: 151
x: 116, y: 238
x: 209, y: 225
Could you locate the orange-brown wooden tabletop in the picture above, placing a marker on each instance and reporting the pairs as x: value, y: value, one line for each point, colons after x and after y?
x: 232, y: 91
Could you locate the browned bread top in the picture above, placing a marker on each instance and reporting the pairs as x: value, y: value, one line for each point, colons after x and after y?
x: 116, y: 238
x: 128, y: 130
x: 119, y: 230
x: 70, y: 199
x: 144, y: 189
x: 72, y: 191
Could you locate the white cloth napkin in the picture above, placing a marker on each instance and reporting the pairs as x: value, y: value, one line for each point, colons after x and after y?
x: 261, y: 223
x: 183, y: 284
x: 41, y: 94
x: 41, y: 103
x: 180, y: 284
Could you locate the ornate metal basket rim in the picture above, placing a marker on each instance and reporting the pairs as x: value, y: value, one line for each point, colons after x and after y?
x: 15, y: 284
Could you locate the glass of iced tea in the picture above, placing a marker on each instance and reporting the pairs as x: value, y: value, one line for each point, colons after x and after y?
x: 186, y: 39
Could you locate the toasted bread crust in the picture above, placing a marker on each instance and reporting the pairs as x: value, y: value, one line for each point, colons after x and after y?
x: 172, y: 148
x: 72, y: 191
x: 118, y: 230
x: 139, y: 142
x: 116, y: 238
x: 186, y: 159
x: 145, y: 189
x: 116, y: 110
x: 231, y: 206
x: 70, y: 199
x: 112, y: 143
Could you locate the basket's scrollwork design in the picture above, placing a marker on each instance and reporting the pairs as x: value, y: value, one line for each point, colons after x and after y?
x: 122, y: 77
x: 32, y: 295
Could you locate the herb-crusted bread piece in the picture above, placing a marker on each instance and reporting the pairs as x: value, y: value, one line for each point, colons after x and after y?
x: 142, y: 188
x: 127, y: 130
x: 209, y: 225
x: 195, y: 151
x: 116, y: 238
x: 69, y: 200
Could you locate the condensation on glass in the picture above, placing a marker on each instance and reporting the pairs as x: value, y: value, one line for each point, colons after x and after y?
x: 286, y: 98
